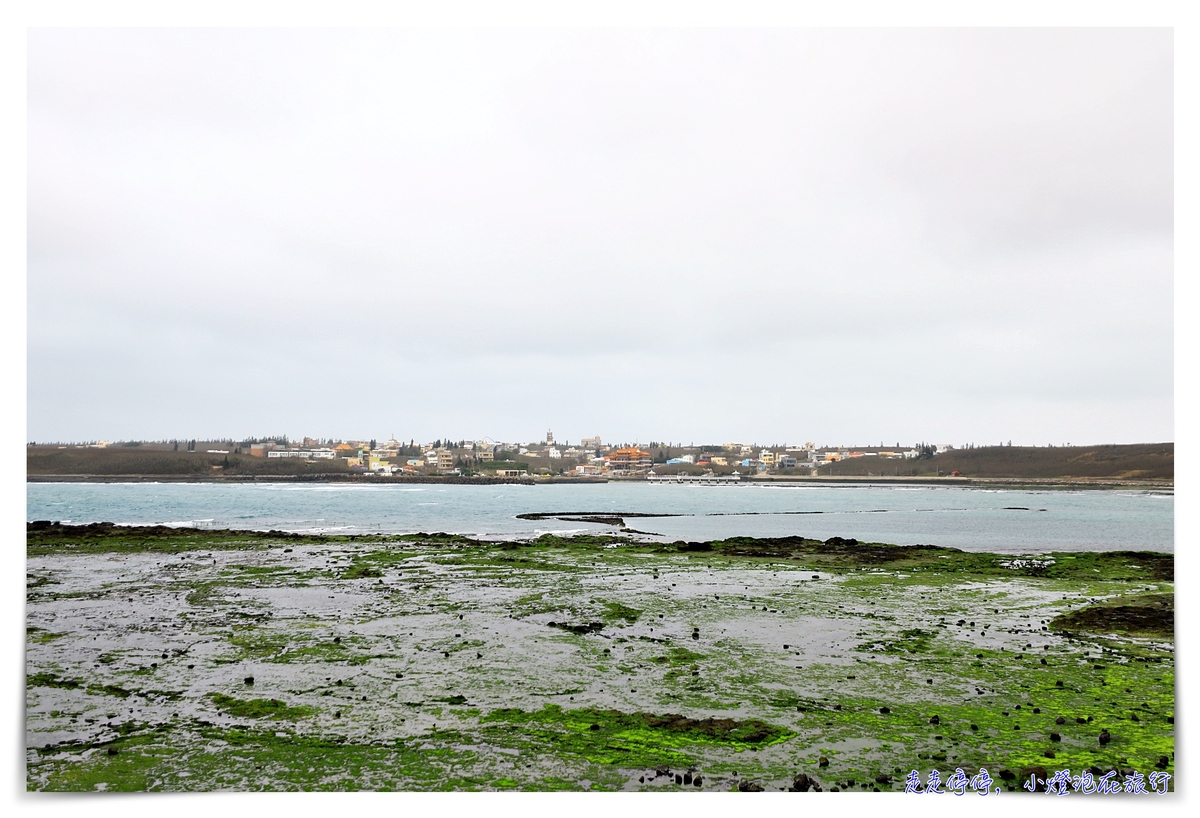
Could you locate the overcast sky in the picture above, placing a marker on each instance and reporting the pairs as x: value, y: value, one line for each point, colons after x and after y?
x: 848, y: 236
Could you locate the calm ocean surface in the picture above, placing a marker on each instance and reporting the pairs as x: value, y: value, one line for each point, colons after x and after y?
x: 967, y: 518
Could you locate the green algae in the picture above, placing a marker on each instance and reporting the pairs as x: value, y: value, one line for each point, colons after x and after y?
x: 1142, y: 614
x: 41, y: 636
x: 911, y: 640
x: 612, y: 737
x: 259, y: 708
x: 45, y: 679
x: 615, y: 611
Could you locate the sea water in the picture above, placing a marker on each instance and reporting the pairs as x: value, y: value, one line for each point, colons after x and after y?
x: 971, y: 518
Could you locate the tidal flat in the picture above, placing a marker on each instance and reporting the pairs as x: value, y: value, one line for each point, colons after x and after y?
x: 177, y: 659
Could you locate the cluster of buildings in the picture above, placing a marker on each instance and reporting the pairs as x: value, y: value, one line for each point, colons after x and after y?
x: 590, y: 457
x: 455, y: 457
x: 805, y: 457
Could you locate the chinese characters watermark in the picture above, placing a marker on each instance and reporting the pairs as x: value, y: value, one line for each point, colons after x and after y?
x: 1060, y: 783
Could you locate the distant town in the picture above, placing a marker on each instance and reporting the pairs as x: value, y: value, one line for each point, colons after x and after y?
x: 588, y: 459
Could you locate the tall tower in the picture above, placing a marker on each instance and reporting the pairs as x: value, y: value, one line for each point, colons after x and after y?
x: 549, y: 438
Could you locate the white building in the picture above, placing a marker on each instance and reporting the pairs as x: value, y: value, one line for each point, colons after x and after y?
x: 304, y: 454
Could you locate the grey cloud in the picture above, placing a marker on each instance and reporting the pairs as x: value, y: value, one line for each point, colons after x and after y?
x: 790, y: 233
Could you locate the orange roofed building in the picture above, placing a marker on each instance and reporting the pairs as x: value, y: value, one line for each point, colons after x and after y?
x: 630, y: 460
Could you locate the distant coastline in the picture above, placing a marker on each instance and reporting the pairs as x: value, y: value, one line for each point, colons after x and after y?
x: 1146, y: 465
x: 967, y: 482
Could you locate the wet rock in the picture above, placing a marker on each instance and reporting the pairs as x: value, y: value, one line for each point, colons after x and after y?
x: 590, y: 627
x: 749, y: 786
x: 883, y: 779
x: 663, y: 769
x: 1134, y: 717
x: 1043, y: 660
x: 1055, y: 737
x: 935, y: 720
x: 249, y: 680
x: 822, y: 762
x: 337, y: 640
x: 678, y: 778
x: 1040, y: 773
x: 594, y: 727
x: 1049, y: 754
x: 697, y: 781
x: 1105, y: 738
x: 1007, y: 775
x: 191, y: 667
x: 802, y: 783
x: 337, y: 714
x: 1036, y: 709
x: 1170, y: 719
x: 1079, y: 720
x: 112, y: 751
x: 1060, y: 720
x: 885, y: 710
x: 687, y: 779
x: 974, y: 726
x: 1162, y: 763
x: 1058, y: 683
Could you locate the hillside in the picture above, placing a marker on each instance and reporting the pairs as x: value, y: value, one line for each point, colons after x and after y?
x: 144, y: 460
x: 1142, y: 461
